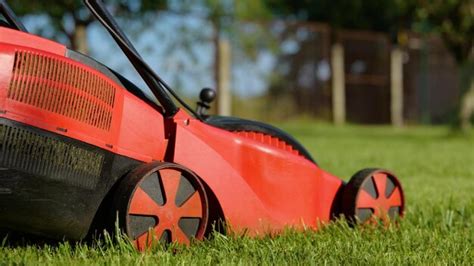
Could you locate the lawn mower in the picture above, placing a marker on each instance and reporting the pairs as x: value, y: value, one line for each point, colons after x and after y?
x: 83, y: 149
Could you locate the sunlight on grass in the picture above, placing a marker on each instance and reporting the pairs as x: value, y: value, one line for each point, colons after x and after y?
x: 435, y: 167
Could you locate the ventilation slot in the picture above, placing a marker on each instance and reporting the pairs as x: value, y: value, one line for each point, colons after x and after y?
x: 267, y: 139
x: 38, y: 155
x: 63, y: 88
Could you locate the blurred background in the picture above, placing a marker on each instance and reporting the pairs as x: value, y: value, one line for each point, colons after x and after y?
x: 362, y: 61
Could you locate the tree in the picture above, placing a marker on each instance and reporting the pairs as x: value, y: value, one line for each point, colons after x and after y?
x: 375, y: 15
x: 70, y: 18
x: 222, y: 15
x: 454, y: 21
x: 311, y: 94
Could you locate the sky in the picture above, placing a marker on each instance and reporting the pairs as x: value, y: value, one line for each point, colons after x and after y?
x: 179, y: 48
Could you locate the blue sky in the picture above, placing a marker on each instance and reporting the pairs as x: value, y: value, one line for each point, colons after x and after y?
x: 179, y: 48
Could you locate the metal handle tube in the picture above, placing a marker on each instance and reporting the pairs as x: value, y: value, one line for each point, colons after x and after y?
x: 10, y: 16
x: 151, y: 79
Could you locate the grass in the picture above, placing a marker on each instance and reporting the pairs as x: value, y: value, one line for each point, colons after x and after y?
x: 435, y: 166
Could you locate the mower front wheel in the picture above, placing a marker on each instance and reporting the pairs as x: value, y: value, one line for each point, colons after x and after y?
x: 373, y: 195
x: 162, y: 202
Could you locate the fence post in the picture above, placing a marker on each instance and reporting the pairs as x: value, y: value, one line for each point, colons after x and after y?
x: 396, y: 86
x: 467, y: 108
x: 338, y: 84
x: 224, y: 94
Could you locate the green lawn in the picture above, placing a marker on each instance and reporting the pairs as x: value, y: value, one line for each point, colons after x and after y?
x: 436, y: 168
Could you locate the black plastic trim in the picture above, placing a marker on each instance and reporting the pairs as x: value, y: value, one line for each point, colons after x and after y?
x: 38, y: 203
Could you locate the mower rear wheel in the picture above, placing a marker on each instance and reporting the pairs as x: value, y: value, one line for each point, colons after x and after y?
x: 162, y: 202
x: 373, y: 195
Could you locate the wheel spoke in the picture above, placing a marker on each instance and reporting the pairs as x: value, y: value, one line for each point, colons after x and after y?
x: 170, y: 179
x: 380, y: 180
x: 158, y: 231
x: 177, y: 235
x: 365, y: 200
x: 192, y: 207
x: 395, y: 199
x: 143, y: 204
x: 143, y: 241
x: 377, y: 212
x: 146, y: 240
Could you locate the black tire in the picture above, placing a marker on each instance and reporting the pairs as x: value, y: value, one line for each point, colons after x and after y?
x: 234, y: 124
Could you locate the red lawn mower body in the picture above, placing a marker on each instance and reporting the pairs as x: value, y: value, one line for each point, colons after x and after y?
x: 71, y: 130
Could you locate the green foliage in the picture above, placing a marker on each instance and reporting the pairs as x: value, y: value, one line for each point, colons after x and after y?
x: 252, y: 10
x: 436, y: 170
x: 66, y: 16
x: 355, y: 14
x: 76, y: 8
x: 454, y: 20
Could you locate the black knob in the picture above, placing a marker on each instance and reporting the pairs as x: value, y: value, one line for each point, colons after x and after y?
x: 207, y: 95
